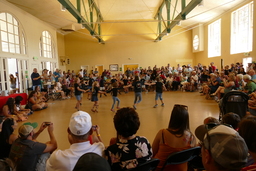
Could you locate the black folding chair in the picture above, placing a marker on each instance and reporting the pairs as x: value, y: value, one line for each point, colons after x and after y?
x: 147, y: 166
x: 182, y: 156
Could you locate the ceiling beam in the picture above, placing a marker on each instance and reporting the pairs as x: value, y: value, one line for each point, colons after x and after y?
x: 80, y: 19
x: 181, y: 16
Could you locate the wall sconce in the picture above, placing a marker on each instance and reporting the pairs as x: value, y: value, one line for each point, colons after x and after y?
x: 62, y: 61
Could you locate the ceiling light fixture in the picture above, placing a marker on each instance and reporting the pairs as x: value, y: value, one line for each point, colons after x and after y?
x: 62, y: 8
x: 201, y: 4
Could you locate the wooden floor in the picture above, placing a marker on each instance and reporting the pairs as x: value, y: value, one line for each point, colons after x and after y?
x: 152, y: 119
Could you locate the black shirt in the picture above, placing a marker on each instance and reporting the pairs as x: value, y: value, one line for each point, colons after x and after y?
x: 137, y: 86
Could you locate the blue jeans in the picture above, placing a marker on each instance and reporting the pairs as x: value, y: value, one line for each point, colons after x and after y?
x: 115, y: 98
x: 137, y: 96
x: 35, y: 87
x: 78, y: 97
x: 159, y: 95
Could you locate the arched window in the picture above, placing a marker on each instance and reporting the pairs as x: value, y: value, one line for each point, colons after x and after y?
x: 11, y: 35
x: 46, y: 45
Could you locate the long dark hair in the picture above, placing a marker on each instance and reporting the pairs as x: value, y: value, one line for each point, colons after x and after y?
x: 179, y: 120
x: 7, y: 130
x: 10, y: 104
x: 31, y: 94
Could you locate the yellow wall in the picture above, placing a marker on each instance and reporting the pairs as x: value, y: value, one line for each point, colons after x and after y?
x: 140, y: 49
x: 202, y: 57
x: 61, y: 51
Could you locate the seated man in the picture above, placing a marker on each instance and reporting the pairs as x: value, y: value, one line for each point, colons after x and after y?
x: 80, y: 127
x: 222, y: 148
x: 26, y: 152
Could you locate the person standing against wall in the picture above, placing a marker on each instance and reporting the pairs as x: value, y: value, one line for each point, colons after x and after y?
x: 36, y: 79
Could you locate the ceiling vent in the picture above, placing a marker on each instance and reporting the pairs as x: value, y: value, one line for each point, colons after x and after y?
x: 69, y: 28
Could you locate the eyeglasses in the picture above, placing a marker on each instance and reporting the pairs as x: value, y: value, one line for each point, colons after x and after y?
x: 179, y: 105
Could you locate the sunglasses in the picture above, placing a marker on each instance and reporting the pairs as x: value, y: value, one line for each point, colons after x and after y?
x: 179, y: 105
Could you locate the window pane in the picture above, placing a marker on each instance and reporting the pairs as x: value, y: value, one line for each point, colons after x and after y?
x: 4, y: 36
x: 12, y: 48
x: 17, y: 47
x: 2, y: 16
x: 10, y: 28
x: 15, y: 22
x: 5, y: 47
x: 16, y: 30
x: 3, y: 26
x: 11, y: 38
x: 9, y: 18
x: 17, y: 40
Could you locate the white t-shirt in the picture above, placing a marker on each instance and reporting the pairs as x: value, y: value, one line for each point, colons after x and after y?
x: 66, y: 160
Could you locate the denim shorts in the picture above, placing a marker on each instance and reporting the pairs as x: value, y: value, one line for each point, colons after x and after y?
x: 159, y: 95
x: 78, y: 97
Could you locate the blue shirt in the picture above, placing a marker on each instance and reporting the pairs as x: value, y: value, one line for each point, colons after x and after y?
x: 58, y: 76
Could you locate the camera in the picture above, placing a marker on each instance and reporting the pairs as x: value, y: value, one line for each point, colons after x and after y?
x: 47, y: 123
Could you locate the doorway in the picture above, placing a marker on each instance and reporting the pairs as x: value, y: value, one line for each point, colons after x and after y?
x: 99, y: 69
x: 130, y: 66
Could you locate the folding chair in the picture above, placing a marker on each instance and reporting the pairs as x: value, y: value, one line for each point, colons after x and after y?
x: 147, y: 166
x: 182, y: 156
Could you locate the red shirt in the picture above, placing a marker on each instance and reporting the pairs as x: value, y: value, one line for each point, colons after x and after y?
x: 250, y: 168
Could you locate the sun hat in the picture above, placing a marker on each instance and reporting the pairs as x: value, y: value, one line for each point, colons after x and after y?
x: 226, y: 146
x: 80, y: 123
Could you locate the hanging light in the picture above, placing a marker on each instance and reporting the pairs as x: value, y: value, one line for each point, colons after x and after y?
x: 62, y: 8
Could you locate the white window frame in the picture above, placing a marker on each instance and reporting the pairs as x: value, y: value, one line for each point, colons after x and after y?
x: 46, y: 45
x: 242, y: 29
x: 12, y: 38
x: 214, y: 39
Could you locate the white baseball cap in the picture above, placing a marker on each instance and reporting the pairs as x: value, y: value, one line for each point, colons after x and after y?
x: 80, y: 123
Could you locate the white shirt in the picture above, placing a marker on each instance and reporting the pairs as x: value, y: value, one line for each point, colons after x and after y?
x: 66, y: 160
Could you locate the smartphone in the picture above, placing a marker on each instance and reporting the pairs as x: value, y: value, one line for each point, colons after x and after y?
x: 47, y: 123
x: 94, y: 127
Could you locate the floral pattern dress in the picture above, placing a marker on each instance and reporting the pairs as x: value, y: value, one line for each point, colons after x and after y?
x: 128, y: 154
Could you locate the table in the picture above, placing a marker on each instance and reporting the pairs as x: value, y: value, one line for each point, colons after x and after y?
x: 3, y: 99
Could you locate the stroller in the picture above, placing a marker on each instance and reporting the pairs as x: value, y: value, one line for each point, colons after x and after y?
x: 234, y: 101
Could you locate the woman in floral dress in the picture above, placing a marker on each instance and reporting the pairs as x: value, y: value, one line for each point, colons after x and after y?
x: 130, y: 150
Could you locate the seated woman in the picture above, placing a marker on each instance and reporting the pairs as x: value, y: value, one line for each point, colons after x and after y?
x: 7, y: 137
x: 40, y: 95
x: 239, y: 82
x: 35, y: 104
x: 176, y: 81
x: 176, y: 137
x: 130, y: 150
x: 10, y: 111
x: 19, y: 108
x: 228, y: 86
x: 212, y: 85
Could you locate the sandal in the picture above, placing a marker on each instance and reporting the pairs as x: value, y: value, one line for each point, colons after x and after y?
x: 92, y: 110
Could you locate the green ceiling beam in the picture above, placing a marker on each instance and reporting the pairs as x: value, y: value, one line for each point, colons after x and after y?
x: 179, y: 17
x: 80, y: 19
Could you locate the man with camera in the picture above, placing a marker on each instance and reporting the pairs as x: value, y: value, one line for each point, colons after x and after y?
x: 28, y: 154
x: 79, y: 131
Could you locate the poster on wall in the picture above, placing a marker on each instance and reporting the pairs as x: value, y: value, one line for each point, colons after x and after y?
x: 113, y: 67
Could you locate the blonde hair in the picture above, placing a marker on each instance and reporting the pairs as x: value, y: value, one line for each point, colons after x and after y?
x: 94, y: 85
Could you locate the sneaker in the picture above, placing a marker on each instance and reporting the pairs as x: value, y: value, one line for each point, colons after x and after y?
x: 134, y: 107
x: 112, y: 110
x: 118, y: 107
x: 155, y: 106
x: 162, y: 104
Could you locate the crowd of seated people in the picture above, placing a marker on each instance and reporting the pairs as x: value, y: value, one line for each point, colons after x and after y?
x: 128, y: 150
x: 122, y: 154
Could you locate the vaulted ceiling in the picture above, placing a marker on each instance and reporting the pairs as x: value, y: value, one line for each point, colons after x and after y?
x: 116, y: 11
